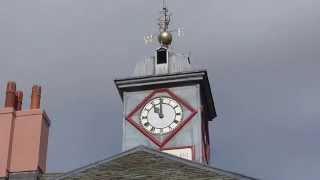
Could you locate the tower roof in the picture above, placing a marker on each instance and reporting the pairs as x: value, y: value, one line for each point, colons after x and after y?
x: 177, y: 63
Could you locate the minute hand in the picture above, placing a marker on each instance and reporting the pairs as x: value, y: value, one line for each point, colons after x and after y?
x: 161, y: 113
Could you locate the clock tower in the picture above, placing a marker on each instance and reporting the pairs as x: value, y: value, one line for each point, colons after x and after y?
x: 167, y: 105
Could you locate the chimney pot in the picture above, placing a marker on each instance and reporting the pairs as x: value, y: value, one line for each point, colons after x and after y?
x: 10, y: 94
x: 19, y: 98
x: 35, y: 97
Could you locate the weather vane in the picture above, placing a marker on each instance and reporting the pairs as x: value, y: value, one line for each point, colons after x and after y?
x: 165, y: 35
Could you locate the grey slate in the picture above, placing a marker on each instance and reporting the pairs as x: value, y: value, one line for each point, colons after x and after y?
x: 26, y: 175
x: 145, y: 163
x: 50, y: 176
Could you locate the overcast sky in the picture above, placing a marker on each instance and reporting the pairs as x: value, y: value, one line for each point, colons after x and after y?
x: 262, y: 56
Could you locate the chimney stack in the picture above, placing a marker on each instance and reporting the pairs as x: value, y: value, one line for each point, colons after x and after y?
x: 19, y: 99
x: 10, y: 95
x: 35, y: 97
x: 23, y: 136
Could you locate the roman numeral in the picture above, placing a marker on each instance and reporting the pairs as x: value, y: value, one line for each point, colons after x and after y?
x: 175, y: 121
x: 178, y: 114
x: 146, y: 124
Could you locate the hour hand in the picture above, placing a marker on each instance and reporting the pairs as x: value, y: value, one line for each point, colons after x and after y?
x: 158, y: 110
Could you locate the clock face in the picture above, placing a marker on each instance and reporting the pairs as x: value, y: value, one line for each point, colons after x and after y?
x: 161, y: 115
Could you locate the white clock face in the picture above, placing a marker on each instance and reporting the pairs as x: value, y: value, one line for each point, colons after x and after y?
x: 161, y: 115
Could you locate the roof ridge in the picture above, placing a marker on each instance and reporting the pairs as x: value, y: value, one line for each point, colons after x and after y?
x: 97, y: 163
x: 196, y: 164
x: 158, y: 153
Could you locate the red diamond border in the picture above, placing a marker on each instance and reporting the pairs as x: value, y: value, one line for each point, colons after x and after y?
x: 174, y: 132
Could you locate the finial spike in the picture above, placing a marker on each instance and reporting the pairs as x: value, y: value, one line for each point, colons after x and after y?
x: 165, y: 36
x: 165, y: 18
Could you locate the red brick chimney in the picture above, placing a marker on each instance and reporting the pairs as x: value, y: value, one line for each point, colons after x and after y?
x: 10, y: 94
x: 19, y: 99
x: 23, y: 134
x: 7, y: 116
x: 35, y: 97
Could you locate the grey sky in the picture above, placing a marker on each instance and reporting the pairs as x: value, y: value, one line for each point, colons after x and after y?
x: 263, y: 59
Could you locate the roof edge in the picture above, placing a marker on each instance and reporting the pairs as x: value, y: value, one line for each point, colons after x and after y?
x: 162, y: 154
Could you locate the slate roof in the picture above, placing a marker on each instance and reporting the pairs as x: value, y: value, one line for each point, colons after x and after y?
x: 145, y: 163
x: 50, y: 176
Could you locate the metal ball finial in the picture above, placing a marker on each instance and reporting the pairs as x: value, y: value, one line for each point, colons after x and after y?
x: 165, y: 38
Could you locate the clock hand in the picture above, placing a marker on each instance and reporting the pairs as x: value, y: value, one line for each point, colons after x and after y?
x: 161, y: 113
x: 156, y: 109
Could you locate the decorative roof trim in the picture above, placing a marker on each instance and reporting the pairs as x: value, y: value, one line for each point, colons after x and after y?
x: 159, y: 79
